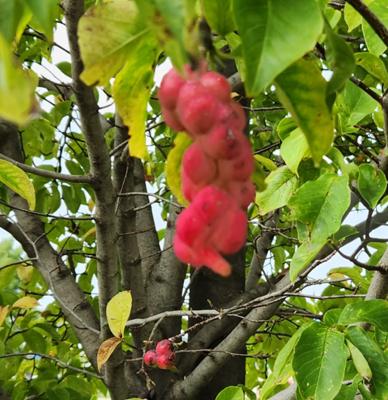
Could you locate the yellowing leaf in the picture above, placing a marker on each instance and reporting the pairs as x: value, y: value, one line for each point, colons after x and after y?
x: 173, y: 166
x: 24, y: 272
x: 106, y: 349
x: 18, y: 181
x: 118, y: 311
x: 17, y: 88
x: 131, y: 91
x: 3, y: 314
x: 91, y: 231
x: 25, y: 302
x: 107, y: 32
x: 266, y: 162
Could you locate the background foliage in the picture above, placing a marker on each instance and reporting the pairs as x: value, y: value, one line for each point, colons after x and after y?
x: 89, y: 281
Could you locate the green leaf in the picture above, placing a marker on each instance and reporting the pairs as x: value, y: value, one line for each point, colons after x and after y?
x: 35, y: 341
x: 131, y: 91
x: 44, y: 14
x: 274, y: 35
x: 371, y: 184
x: 118, y: 310
x: 373, y: 65
x: 18, y: 181
x: 173, y: 166
x: 282, y: 368
x: 348, y: 392
x: 107, y: 33
x: 374, y: 43
x: 359, y: 361
x: 319, y: 362
x: 293, y: 149
x: 174, y: 23
x: 303, y: 256
x: 17, y: 88
x: 372, y: 311
x: 354, y: 274
x: 352, y: 17
x: 266, y: 162
x: 376, y: 359
x: 321, y: 204
x: 353, y: 105
x: 14, y: 17
x: 231, y: 393
x: 218, y: 14
x: 340, y: 59
x: 281, y: 184
x: 302, y: 90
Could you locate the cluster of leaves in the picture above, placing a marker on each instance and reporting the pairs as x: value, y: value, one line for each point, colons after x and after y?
x: 315, y: 75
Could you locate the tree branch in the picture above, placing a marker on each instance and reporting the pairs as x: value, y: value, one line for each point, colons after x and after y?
x: 48, y: 174
x: 378, y: 288
x: 100, y: 169
x: 371, y: 18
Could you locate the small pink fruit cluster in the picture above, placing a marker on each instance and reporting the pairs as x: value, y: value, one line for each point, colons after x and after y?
x: 216, y: 168
x: 162, y: 357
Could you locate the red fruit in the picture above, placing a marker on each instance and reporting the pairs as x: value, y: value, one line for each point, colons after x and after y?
x: 217, y: 84
x: 196, y: 108
x: 189, y: 188
x: 213, y: 260
x: 232, y: 115
x: 198, y: 166
x: 230, y: 233
x: 169, y: 89
x: 165, y: 360
x: 150, y: 358
x: 211, y: 203
x: 243, y: 192
x: 185, y: 253
x: 222, y: 142
x: 163, y: 347
x: 240, y: 168
x: 171, y: 119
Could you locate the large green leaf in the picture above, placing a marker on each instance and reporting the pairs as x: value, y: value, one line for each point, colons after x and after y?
x: 44, y: 14
x: 17, y: 88
x: 282, y: 368
x: 274, y: 35
x: 107, y: 33
x: 281, y: 184
x: 319, y: 362
x: 376, y: 359
x: 321, y: 204
x: 18, y: 181
x: 372, y: 311
x: 371, y: 184
x: 373, y: 65
x: 352, y: 17
x: 348, y: 392
x: 374, y: 43
x: 293, y: 149
x: 303, y: 256
x: 302, y: 89
x: 173, y: 166
x: 218, y: 14
x: 131, y: 91
x: 14, y: 16
x: 353, y: 105
x: 340, y: 59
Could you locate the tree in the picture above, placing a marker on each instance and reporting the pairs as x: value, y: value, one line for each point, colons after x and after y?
x: 91, y: 282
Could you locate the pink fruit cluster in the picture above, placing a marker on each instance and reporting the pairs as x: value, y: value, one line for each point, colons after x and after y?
x: 216, y: 168
x: 162, y: 357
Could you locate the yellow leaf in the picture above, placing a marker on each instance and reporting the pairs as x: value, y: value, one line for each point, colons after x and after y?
x: 118, y: 310
x: 18, y: 181
x: 131, y: 92
x: 17, y: 88
x: 91, y: 231
x: 173, y: 166
x: 107, y: 32
x: 25, y: 302
x: 24, y: 272
x: 106, y: 349
x: 3, y: 314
